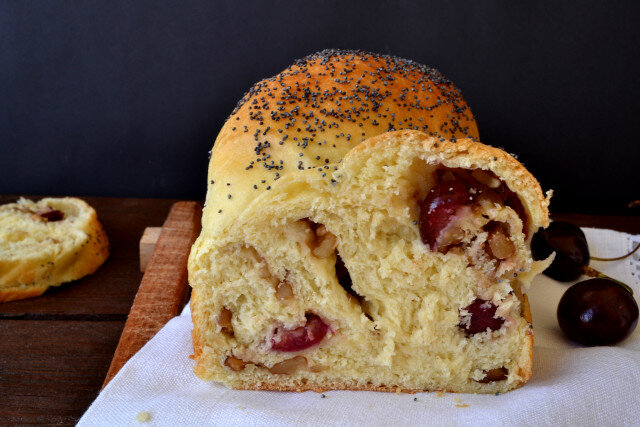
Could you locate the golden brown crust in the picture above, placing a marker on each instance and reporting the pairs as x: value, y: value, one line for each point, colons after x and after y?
x: 526, y: 366
x: 343, y: 386
x: 196, y: 336
x: 526, y: 309
x: 322, y: 389
x: 318, y: 109
x: 526, y: 369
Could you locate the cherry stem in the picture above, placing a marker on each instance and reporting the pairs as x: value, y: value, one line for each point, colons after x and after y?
x: 592, y: 272
x: 617, y: 258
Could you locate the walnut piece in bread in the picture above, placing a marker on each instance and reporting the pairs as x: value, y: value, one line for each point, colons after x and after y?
x: 47, y: 243
x: 332, y: 254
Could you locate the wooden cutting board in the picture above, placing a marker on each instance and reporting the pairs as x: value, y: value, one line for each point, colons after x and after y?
x: 164, y: 289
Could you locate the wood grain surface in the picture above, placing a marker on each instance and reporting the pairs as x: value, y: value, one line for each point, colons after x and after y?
x: 164, y: 289
x: 50, y: 371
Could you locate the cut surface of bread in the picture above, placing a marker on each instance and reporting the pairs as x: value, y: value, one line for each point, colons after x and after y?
x: 356, y: 236
x: 44, y: 244
x: 327, y: 282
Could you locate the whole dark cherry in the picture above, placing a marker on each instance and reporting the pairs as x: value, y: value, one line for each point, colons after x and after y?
x: 302, y: 337
x: 570, y: 245
x: 597, y: 312
x: 482, y: 316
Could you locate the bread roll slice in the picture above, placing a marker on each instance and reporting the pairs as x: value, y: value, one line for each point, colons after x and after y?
x: 47, y: 243
x: 341, y: 252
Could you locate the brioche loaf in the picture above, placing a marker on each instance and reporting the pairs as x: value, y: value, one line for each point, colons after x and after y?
x: 341, y: 252
x: 47, y: 243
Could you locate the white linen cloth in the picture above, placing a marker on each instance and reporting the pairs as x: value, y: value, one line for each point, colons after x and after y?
x: 571, y: 384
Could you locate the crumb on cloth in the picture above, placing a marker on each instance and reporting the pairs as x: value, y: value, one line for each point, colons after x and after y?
x: 143, y: 417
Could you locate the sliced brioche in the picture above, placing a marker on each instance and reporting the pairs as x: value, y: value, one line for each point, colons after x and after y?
x: 397, y: 318
x: 47, y: 243
x: 313, y: 271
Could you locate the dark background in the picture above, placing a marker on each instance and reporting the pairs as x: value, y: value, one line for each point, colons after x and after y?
x: 125, y: 98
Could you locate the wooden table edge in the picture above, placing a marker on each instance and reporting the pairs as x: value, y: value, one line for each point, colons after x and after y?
x: 164, y: 289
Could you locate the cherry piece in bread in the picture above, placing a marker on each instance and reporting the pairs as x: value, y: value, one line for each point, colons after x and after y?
x: 482, y: 316
x: 597, y: 312
x: 444, y: 204
x: 440, y: 207
x: 302, y: 337
x: 50, y: 214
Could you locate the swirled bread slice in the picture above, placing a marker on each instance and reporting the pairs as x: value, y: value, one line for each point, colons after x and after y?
x: 47, y: 243
x: 401, y: 266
